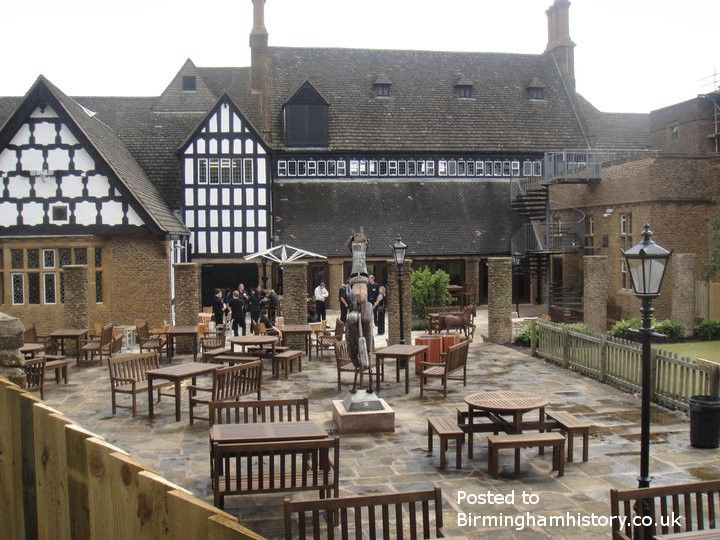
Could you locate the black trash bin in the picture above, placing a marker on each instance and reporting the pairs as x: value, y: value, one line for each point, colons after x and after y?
x: 704, y: 421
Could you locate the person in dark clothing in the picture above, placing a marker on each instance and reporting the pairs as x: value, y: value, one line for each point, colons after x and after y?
x: 373, y: 292
x: 344, y: 296
x: 238, y: 313
x: 218, y: 307
x: 255, y: 299
x: 269, y: 326
x: 273, y: 302
x: 379, y: 309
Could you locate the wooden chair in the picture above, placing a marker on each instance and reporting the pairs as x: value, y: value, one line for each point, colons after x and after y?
x: 211, y: 346
x: 327, y: 342
x: 128, y: 375
x: 229, y: 384
x: 35, y: 375
x: 262, y: 410
x: 344, y: 364
x: 260, y: 329
x: 117, y: 341
x: 150, y: 342
x: 30, y: 335
x: 99, y: 347
x: 455, y: 359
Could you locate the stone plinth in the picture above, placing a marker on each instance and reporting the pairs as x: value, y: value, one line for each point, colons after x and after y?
x: 187, y: 301
x: 76, y: 296
x: 294, y: 308
x: 11, y: 339
x: 682, y: 270
x: 595, y: 292
x: 499, y: 299
x: 392, y: 315
x: 381, y: 421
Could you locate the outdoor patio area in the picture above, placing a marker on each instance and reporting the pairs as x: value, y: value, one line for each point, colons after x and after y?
x: 399, y: 461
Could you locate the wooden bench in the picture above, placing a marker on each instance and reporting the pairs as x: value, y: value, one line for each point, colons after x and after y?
x: 59, y: 364
x: 35, y: 375
x: 271, y: 467
x: 570, y: 426
x: 454, y: 360
x: 697, y: 503
x: 526, y: 440
x: 292, y: 409
x: 229, y: 384
x: 432, y: 313
x: 445, y: 429
x: 396, y: 515
x: 209, y: 354
x: 128, y: 375
x: 233, y: 359
x: 285, y: 360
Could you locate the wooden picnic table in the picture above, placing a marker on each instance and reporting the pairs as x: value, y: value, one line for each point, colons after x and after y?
x: 173, y: 332
x: 495, y: 405
x: 177, y: 374
x: 251, y: 340
x: 304, y: 330
x: 266, y: 432
x: 78, y: 334
x: 402, y: 354
x: 32, y: 349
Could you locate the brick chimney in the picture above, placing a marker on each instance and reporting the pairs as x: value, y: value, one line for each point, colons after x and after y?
x: 559, y: 45
x: 258, y: 49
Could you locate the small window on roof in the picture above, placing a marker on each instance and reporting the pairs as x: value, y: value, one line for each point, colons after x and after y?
x: 382, y: 86
x: 536, y: 89
x: 189, y: 83
x: 463, y: 88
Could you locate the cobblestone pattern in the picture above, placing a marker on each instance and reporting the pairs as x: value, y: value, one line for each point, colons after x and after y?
x: 76, y: 296
x: 295, y: 299
x: 682, y: 268
x: 187, y: 301
x: 595, y: 292
x: 499, y: 299
x: 11, y: 339
x: 392, y: 316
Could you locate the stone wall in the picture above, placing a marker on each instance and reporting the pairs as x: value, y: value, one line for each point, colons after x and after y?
x: 334, y: 282
x: 295, y: 299
x: 76, y: 296
x: 595, y: 292
x: 682, y: 270
x: 392, y: 315
x: 11, y: 339
x: 187, y: 301
x: 472, y: 279
x: 499, y: 299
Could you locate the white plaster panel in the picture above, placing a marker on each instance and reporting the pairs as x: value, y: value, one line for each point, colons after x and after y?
x: 189, y: 197
x: 58, y: 159
x: 237, y: 240
x: 83, y: 161
x: 237, y: 123
x: 225, y: 118
x: 226, y: 218
x: 31, y: 159
x: 201, y: 219
x: 22, y: 136
x: 71, y: 186
x: 213, y: 124
x: 214, y: 242
x: 202, y: 197
x: 19, y: 187
x: 46, y: 188
x: 133, y: 217
x: 111, y: 213
x: 262, y: 198
x: 261, y: 171
x: 8, y: 160
x: 262, y: 241
x: 248, y: 146
x: 66, y: 136
x: 213, y: 197
x: 98, y: 186
x: 202, y: 244
x: 200, y: 146
x: 262, y: 218
x: 189, y: 219
x: 213, y: 218
x: 45, y: 133
x: 189, y: 150
x: 226, y: 197
x: 249, y: 241
x: 33, y: 213
x: 189, y: 170
x: 237, y: 218
x: 117, y: 193
x: 212, y: 146
x: 260, y: 149
x: 237, y: 196
x: 249, y: 196
x: 85, y: 213
x: 250, y: 218
x: 226, y: 247
x: 47, y: 113
x: 225, y: 146
x: 8, y: 214
x: 237, y: 146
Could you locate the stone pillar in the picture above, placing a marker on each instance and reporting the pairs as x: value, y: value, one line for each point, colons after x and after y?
x: 595, y: 292
x: 392, y: 315
x: 295, y: 299
x: 11, y: 339
x: 335, y: 280
x: 533, y: 287
x: 499, y: 299
x: 187, y: 301
x: 76, y: 296
x: 472, y: 279
x: 682, y: 268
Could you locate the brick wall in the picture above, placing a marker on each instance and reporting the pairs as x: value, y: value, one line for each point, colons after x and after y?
x: 295, y: 299
x: 187, y: 300
x: 682, y: 270
x: 499, y: 299
x: 595, y: 292
x: 472, y: 279
x: 683, y: 127
x: 334, y: 283
x: 76, y: 297
x: 392, y: 315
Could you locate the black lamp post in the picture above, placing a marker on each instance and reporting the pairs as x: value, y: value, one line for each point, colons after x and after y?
x: 399, y: 249
x: 646, y: 263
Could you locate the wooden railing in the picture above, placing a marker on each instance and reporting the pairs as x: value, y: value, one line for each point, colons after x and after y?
x: 618, y: 363
x: 59, y: 481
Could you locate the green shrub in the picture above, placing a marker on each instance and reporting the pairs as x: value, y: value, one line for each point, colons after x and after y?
x: 429, y: 289
x: 524, y: 339
x: 580, y: 327
x: 418, y: 324
x: 708, y: 329
x: 673, y: 330
x: 621, y: 329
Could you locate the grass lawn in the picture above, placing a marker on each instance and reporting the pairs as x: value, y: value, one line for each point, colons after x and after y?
x: 709, y: 350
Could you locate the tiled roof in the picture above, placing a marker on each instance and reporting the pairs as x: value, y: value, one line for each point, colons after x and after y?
x: 433, y: 218
x: 616, y: 130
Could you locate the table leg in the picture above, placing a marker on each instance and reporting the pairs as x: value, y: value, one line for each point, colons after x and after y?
x: 407, y: 374
x: 517, y: 425
x: 377, y: 373
x: 77, y: 348
x: 470, y: 431
x: 195, y: 347
x: 177, y: 399
x: 151, y: 413
x: 541, y: 417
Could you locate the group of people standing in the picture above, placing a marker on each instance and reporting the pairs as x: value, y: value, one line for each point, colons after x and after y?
x: 234, y: 305
x: 376, y: 297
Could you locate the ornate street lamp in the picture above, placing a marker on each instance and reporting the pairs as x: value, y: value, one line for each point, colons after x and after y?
x: 647, y: 263
x: 399, y: 249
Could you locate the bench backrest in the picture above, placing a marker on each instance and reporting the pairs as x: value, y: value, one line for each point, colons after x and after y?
x: 34, y: 373
x: 106, y: 335
x: 456, y: 356
x: 442, y: 310
x: 235, y: 381
x: 262, y: 410
x: 30, y: 334
x: 142, y: 329
x: 385, y: 515
x: 290, y: 465
x: 698, y: 505
x: 342, y: 356
x: 131, y: 366
x: 212, y: 342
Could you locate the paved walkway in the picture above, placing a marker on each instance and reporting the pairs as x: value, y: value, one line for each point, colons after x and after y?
x: 399, y: 461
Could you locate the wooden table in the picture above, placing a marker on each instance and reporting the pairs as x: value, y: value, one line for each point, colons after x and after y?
x: 260, y: 341
x: 304, y: 330
x: 78, y: 334
x: 495, y: 405
x: 690, y: 535
x: 32, y: 349
x: 177, y: 374
x: 266, y: 432
x: 181, y: 331
x: 402, y: 354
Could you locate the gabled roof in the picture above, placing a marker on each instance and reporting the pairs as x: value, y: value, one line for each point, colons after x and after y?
x: 103, y: 141
x: 306, y: 94
x: 616, y: 130
x: 175, y: 99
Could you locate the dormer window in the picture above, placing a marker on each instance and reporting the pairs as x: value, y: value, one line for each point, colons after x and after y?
x: 535, y: 89
x: 535, y: 93
x: 306, y: 118
x: 464, y: 88
x: 189, y: 83
x: 382, y: 86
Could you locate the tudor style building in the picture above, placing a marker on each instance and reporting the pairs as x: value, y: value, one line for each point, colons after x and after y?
x: 441, y: 148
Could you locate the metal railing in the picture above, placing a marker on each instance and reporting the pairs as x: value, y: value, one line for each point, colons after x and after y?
x: 520, y: 186
x: 541, y: 237
x: 581, y: 166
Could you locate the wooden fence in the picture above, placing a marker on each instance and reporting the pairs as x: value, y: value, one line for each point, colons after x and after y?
x: 619, y: 363
x: 59, y: 481
x: 707, y: 300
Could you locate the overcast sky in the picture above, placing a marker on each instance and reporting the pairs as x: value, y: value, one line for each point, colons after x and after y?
x: 631, y: 55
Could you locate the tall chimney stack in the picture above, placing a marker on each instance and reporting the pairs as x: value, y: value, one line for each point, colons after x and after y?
x: 258, y: 49
x: 560, y: 45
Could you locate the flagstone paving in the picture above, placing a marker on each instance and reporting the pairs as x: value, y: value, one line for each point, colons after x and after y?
x: 400, y: 461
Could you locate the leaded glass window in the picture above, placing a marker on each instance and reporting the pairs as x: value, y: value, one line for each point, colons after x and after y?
x: 33, y: 288
x: 18, y: 288
x: 98, y: 287
x: 33, y: 256
x: 80, y: 255
x: 98, y: 257
x: 16, y: 258
x: 49, y: 283
x: 64, y: 256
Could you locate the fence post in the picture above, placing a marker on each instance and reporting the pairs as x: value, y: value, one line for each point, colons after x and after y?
x: 533, y: 337
x: 603, y: 358
x: 653, y: 374
x: 714, y: 377
x: 565, y: 348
